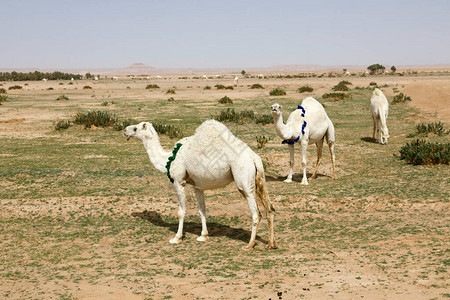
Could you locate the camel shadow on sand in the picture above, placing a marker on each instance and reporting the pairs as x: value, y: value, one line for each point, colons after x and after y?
x: 368, y: 139
x: 214, y: 229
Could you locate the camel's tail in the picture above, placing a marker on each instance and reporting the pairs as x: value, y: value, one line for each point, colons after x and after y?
x: 261, y: 188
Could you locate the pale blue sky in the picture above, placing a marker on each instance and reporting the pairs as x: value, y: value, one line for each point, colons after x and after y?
x: 171, y: 34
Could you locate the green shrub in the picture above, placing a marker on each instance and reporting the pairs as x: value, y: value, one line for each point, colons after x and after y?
x: 170, y: 91
x: 305, y: 89
x: 256, y: 86
x: 62, y: 97
x: 341, y: 87
x: 336, y: 96
x: 97, y: 118
x: 225, y: 100
x: 86, y: 87
x: 262, y: 141
x: 277, y: 92
x: 421, y: 152
x: 62, y: 124
x: 122, y: 124
x: 2, y: 91
x: 400, y: 98
x: 207, y: 87
x: 171, y: 130
x: 151, y: 86
x: 436, y: 128
x: 264, y: 119
x: 219, y: 86
x: 373, y: 83
x: 15, y: 87
x: 3, y: 98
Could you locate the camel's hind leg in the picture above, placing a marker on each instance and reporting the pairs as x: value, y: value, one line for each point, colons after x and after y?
x: 304, y: 148
x: 319, y: 145
x: 202, y: 211
x: 374, y: 128
x: 333, y: 158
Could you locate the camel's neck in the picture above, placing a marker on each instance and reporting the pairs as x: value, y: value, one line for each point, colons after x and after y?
x: 283, y: 130
x: 156, y: 153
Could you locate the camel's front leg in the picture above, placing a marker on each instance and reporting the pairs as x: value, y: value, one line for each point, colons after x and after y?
x: 181, y: 212
x: 202, y: 211
x: 291, y: 163
x: 374, y: 128
x: 256, y: 218
x: 319, y: 145
x: 304, y: 147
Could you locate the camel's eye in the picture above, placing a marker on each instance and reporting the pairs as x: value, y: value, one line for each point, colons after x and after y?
x: 135, y: 129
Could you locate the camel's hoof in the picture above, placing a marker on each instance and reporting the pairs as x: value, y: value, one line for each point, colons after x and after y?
x: 304, y: 182
x: 271, y: 246
x: 176, y: 240
x: 288, y: 180
x: 202, y: 238
x: 247, y: 248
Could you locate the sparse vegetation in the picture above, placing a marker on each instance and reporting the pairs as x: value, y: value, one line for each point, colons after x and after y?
x: 336, y: 96
x: 421, y: 152
x: 2, y: 91
x: 277, y: 92
x: 170, y: 130
x: 122, y: 124
x: 435, y: 128
x: 151, y: 86
x: 15, y: 87
x: 400, y: 98
x: 104, y: 103
x: 62, y: 124
x: 207, y: 87
x: 62, y: 97
x: 50, y: 89
x: 95, y: 118
x: 3, y: 98
x: 305, y: 89
x: 373, y: 83
x: 170, y: 91
x: 171, y: 99
x: 222, y: 87
x: 256, y: 86
x: 225, y: 100
x: 87, y: 87
x: 33, y: 76
x: 261, y: 141
x: 341, y: 86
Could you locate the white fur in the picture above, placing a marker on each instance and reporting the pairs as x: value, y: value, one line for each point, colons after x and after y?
x: 212, y: 158
x: 379, y: 107
x: 318, y: 127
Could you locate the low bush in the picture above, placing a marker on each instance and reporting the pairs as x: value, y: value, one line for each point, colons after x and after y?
x: 62, y: 124
x: 207, y: 87
x: 305, y: 89
x: 225, y: 100
x: 97, y: 118
x: 436, y: 128
x: 219, y: 86
x: 50, y: 89
x: 264, y: 119
x: 341, y: 87
x: 2, y: 91
x: 256, y: 86
x: 171, y: 130
x: 400, y: 98
x: 230, y: 115
x: 62, y: 97
x: 3, y: 98
x: 87, y: 87
x: 336, y: 96
x: 171, y: 99
x: 15, y: 87
x: 151, y: 86
x: 170, y: 91
x: 421, y: 152
x: 261, y: 141
x: 104, y: 103
x: 277, y: 92
x: 373, y: 83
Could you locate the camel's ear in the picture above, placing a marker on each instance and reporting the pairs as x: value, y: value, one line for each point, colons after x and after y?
x: 280, y: 107
x: 144, y: 126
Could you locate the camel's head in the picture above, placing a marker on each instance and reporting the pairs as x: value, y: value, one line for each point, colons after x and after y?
x: 276, y: 109
x: 384, y: 135
x: 140, y: 131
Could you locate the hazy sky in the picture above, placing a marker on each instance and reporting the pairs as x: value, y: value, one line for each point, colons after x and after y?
x: 169, y: 33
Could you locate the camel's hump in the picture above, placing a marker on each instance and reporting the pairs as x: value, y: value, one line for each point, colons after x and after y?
x: 211, y: 126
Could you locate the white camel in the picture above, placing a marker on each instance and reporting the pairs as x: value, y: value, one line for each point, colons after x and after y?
x: 379, y: 107
x: 309, y: 124
x: 212, y: 158
x: 236, y: 80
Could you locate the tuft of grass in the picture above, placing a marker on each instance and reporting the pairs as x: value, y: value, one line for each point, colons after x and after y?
x: 261, y: 141
x: 225, y: 100
x: 15, y: 87
x: 2, y: 91
x: 3, y: 98
x: 62, y: 97
x: 62, y: 124
x: 256, y: 86
x: 436, y: 128
x: 171, y: 130
x: 207, y: 87
x: 97, y: 118
x: 305, y: 89
x: 277, y: 92
x: 400, y: 98
x: 170, y: 91
x: 151, y: 86
x: 421, y: 152
x: 87, y: 87
x: 336, y: 96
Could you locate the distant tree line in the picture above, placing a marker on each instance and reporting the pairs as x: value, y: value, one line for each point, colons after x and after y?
x: 19, y: 76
